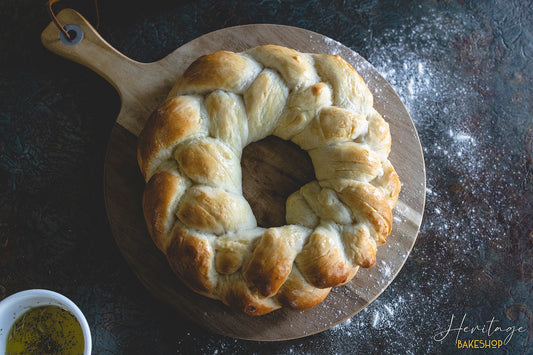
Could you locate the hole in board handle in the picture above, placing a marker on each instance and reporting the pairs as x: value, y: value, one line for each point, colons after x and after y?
x: 75, y: 32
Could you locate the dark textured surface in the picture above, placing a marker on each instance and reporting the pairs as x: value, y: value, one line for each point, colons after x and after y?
x: 464, y: 71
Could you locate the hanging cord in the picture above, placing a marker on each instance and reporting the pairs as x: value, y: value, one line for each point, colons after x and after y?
x: 60, y: 26
x: 56, y: 21
x: 97, y: 14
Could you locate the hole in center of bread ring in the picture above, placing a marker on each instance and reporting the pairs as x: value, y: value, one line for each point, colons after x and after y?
x: 272, y: 169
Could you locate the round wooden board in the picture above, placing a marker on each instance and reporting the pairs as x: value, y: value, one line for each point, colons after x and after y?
x: 272, y: 169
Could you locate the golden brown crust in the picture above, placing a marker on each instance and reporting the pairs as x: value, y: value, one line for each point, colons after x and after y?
x: 234, y: 292
x: 297, y: 294
x: 271, y: 262
x: 176, y: 119
x: 322, y: 261
x: 350, y: 89
x: 294, y: 67
x: 369, y: 204
x: 359, y: 246
x: 189, y: 153
x: 160, y: 197
x: 378, y: 136
x: 216, y: 71
x: 390, y: 183
x: 229, y: 255
x: 190, y: 258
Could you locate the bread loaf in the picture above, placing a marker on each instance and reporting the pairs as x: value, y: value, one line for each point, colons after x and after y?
x: 189, y: 153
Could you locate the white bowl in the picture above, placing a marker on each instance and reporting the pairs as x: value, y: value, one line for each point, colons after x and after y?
x: 12, y: 307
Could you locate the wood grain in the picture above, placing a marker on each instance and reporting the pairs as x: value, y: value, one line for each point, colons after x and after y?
x: 272, y: 169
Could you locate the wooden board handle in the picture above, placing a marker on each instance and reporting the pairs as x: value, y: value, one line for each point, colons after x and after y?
x: 139, y: 89
x: 92, y: 51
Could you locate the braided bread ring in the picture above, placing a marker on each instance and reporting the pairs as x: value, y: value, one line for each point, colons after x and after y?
x: 189, y: 153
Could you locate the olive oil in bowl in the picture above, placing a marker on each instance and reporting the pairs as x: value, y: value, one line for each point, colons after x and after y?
x: 45, y: 330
